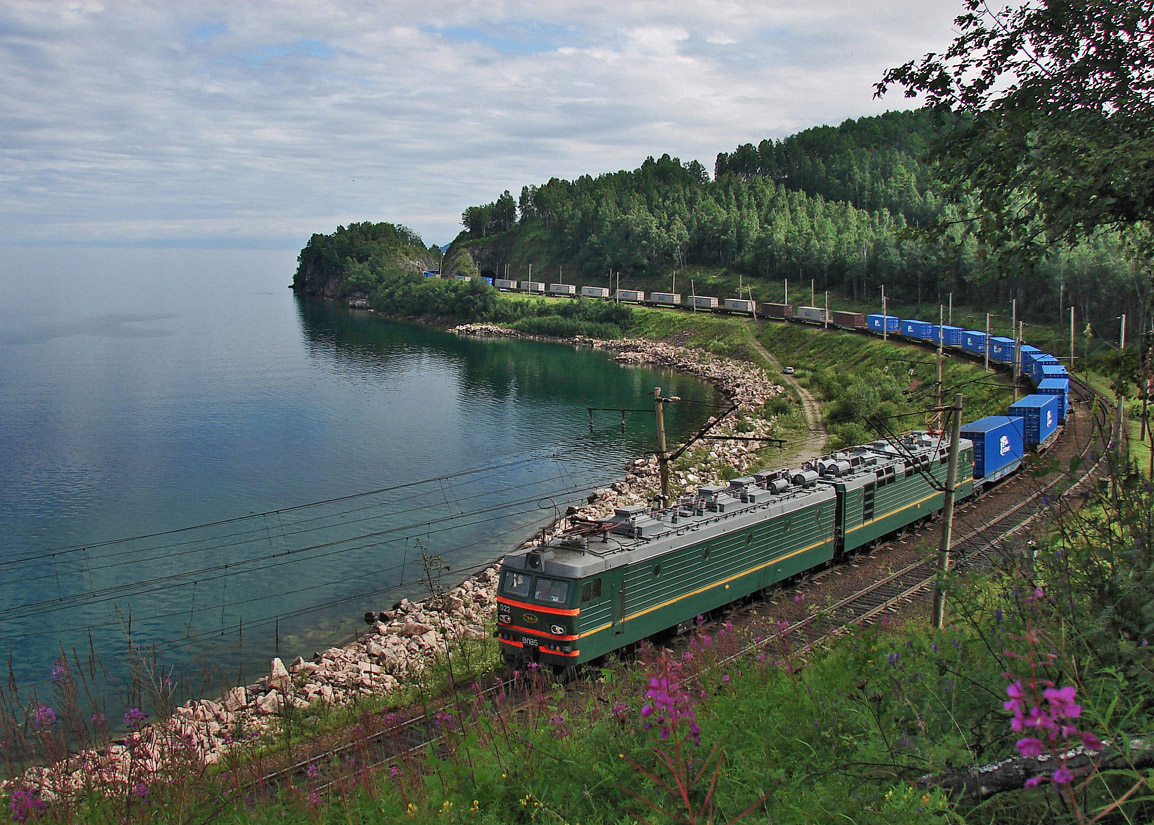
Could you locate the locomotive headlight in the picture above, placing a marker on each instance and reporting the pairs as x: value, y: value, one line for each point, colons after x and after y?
x: 556, y: 630
x: 505, y: 618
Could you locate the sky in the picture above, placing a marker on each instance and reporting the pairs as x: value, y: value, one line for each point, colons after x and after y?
x: 252, y: 123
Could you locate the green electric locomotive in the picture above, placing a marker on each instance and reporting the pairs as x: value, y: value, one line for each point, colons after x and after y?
x: 602, y: 586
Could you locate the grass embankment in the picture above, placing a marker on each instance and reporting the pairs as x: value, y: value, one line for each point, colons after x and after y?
x: 866, y: 385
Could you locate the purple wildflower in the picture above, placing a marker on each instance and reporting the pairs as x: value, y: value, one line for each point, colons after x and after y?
x: 98, y: 719
x: 669, y: 702
x: 893, y: 658
x: 133, y: 718
x: 43, y: 717
x: 140, y: 790
x: 312, y: 771
x: 60, y: 673
x: 25, y: 804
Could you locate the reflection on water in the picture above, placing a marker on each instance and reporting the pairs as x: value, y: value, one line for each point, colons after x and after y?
x: 173, y: 397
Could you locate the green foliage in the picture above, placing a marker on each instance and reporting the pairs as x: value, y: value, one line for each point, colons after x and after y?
x: 359, y: 258
x: 1056, y: 136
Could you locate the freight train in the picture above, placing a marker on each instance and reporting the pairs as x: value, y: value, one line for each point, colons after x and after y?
x: 604, y: 585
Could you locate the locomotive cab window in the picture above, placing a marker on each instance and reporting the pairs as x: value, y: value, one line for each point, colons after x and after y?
x: 553, y: 591
x: 516, y: 584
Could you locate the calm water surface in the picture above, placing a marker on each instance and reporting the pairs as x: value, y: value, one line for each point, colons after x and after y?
x: 196, y: 465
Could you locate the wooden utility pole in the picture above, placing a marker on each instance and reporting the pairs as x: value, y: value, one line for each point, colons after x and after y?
x: 662, y: 457
x: 948, y: 513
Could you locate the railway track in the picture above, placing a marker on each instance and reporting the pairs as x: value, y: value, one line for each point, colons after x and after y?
x: 391, y: 739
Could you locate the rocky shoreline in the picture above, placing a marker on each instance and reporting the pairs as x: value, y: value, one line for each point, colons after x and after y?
x: 401, y: 644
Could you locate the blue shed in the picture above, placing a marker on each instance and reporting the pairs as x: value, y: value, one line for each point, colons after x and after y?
x: 998, y: 445
x: 879, y: 322
x: 1040, y: 413
x: 974, y: 342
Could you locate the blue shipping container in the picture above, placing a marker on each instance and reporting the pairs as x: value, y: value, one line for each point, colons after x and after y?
x: 1028, y: 352
x: 1040, y: 413
x: 875, y: 322
x: 1053, y: 371
x: 1059, y: 387
x: 1002, y: 349
x: 917, y: 329
x: 974, y: 342
x: 998, y: 445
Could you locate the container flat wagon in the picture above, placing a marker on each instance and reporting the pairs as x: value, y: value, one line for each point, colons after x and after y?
x: 922, y: 330
x: 533, y: 287
x: 1002, y: 349
x: 883, y: 323
x: 594, y: 292
x: 1059, y: 387
x: 632, y: 296
x: 973, y: 342
x: 505, y: 285
x: 665, y: 299
x: 739, y: 305
x: 998, y: 446
x: 850, y: 320
x: 702, y: 302
x: 1027, y: 354
x: 1040, y: 416
x: 946, y: 335
x: 813, y: 315
x: 566, y: 290
x: 774, y: 310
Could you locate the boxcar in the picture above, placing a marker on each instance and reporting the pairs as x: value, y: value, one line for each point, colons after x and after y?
x: 743, y: 305
x: 852, y: 320
x: 665, y: 299
x: 998, y: 446
x: 594, y: 292
x: 879, y: 323
x: 702, y: 302
x: 815, y: 315
x: 773, y: 310
x: 569, y: 290
x: 1040, y: 414
x: 634, y: 296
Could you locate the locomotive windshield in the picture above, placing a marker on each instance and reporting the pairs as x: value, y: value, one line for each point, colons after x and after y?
x: 516, y: 584
x: 553, y: 591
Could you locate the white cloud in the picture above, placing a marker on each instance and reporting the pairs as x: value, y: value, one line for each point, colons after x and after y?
x: 144, y: 121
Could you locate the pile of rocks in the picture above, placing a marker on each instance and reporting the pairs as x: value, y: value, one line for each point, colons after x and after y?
x: 397, y: 648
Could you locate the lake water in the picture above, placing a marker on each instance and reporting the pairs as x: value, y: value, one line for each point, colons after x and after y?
x: 198, y: 466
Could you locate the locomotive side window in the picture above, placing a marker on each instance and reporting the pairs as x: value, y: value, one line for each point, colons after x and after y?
x: 516, y: 584
x: 591, y: 590
x: 553, y: 591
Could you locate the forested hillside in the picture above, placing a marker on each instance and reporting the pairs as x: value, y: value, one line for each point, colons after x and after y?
x: 851, y: 207
x: 355, y: 259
